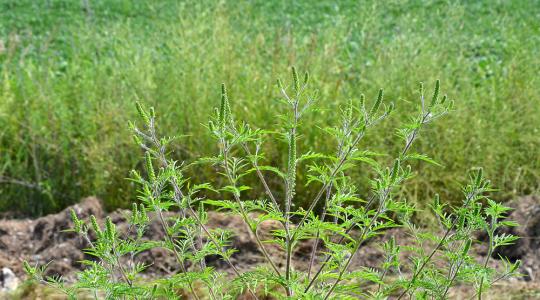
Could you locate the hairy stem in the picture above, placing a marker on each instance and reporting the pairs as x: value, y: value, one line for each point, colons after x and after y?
x: 291, y: 181
x: 243, y: 212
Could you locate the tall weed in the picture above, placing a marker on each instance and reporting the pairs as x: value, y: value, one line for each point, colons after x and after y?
x: 438, y: 260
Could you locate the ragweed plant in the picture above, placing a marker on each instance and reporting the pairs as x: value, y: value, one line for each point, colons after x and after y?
x: 337, y: 223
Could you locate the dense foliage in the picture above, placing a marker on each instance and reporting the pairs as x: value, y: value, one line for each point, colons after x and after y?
x: 436, y: 261
x: 70, y: 71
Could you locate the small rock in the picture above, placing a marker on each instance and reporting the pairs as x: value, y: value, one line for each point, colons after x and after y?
x: 8, y: 281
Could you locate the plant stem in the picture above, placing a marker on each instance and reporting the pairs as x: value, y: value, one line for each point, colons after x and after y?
x: 213, y: 240
x: 328, y: 257
x: 330, y: 179
x: 170, y: 240
x: 359, y: 242
x: 347, y: 132
x: 245, y: 217
x: 490, y: 251
x: 316, y: 241
x: 452, y: 274
x: 261, y: 178
x: 291, y: 181
x: 439, y: 245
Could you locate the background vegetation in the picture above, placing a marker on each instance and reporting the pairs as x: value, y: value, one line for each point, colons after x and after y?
x: 72, y: 70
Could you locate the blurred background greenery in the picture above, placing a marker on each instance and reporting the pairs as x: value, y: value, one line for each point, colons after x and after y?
x: 71, y: 71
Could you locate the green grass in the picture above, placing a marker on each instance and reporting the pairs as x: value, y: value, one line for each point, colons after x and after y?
x: 69, y: 80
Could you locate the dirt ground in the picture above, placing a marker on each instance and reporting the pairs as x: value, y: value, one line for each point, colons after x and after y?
x: 44, y: 240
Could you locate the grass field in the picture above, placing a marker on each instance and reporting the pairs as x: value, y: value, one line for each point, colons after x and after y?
x: 72, y: 70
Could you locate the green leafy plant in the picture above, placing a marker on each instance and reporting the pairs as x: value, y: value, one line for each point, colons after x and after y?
x: 338, y: 222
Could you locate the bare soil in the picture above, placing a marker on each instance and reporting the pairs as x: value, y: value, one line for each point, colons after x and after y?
x: 44, y: 240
